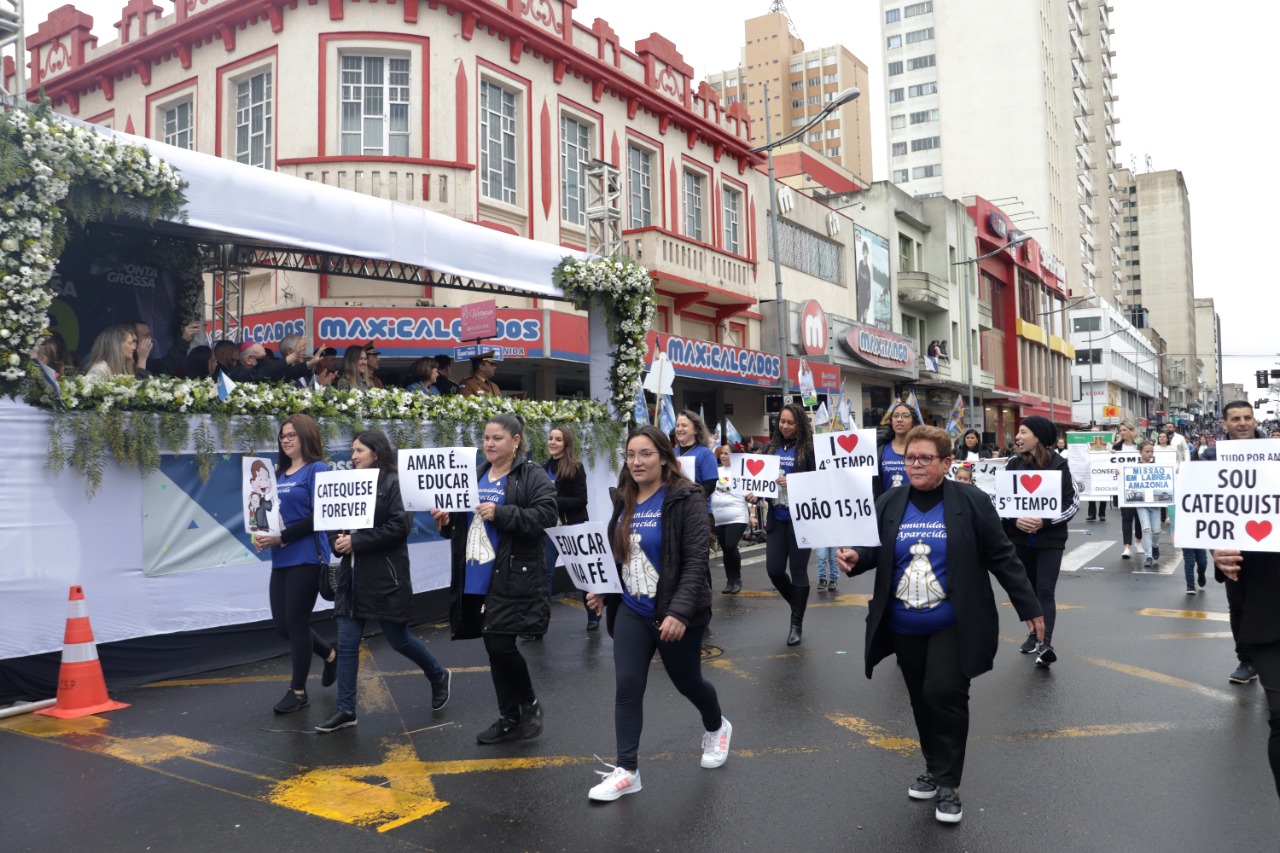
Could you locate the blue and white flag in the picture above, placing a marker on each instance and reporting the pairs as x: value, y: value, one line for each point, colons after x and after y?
x: 846, y: 415
x: 51, y: 381
x: 641, y: 413
x: 731, y: 432
x: 225, y: 386
x: 666, y: 413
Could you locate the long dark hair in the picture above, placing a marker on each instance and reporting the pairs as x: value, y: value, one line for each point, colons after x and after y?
x: 628, y: 489
x: 568, y: 465
x: 308, y: 442
x: 804, y: 432
x: 886, y: 435
x: 376, y: 440
x: 701, y: 436
x: 514, y: 425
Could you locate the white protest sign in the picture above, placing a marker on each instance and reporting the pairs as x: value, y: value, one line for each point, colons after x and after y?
x: 689, y: 466
x: 1028, y: 494
x: 853, y: 448
x: 344, y: 500
x: 438, y: 478
x: 1250, y: 450
x: 984, y: 472
x: 754, y: 474
x: 585, y: 552
x: 833, y: 508
x: 1228, y: 505
x: 1104, y: 472
x: 258, y: 496
x: 1146, y: 484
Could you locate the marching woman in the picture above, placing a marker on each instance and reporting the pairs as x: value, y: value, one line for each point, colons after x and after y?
x: 970, y: 449
x: 1039, y: 541
x: 793, y: 445
x: 499, y: 583
x: 1130, y: 527
x: 890, y: 471
x: 296, y: 557
x: 660, y: 541
x: 569, y: 476
x: 933, y: 605
x: 693, y: 440
x: 373, y: 583
x: 731, y: 516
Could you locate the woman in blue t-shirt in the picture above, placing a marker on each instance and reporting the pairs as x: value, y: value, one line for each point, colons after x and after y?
x: 691, y: 439
x: 659, y: 536
x: 890, y: 471
x: 793, y: 444
x: 296, y: 557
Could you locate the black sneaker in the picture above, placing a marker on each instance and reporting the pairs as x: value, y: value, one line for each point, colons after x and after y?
x: 293, y: 702
x: 593, y: 624
x: 1191, y: 590
x: 732, y: 587
x: 1029, y: 644
x: 924, y: 788
x: 330, y: 673
x: 1243, y: 675
x: 948, y: 808
x: 822, y: 584
x: 831, y: 586
x: 1155, y: 552
x: 1045, y: 655
x: 340, y: 720
x: 500, y: 731
x: 531, y: 720
x: 1200, y: 577
x: 440, y: 690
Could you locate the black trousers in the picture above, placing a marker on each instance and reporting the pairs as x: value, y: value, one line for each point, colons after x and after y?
x: 729, y: 536
x: 1267, y: 660
x: 1043, y: 568
x: 292, y: 592
x: 1097, y: 509
x: 1235, y: 612
x: 1130, y: 527
x: 510, y: 674
x: 939, y: 694
x: 634, y: 641
x: 781, y: 553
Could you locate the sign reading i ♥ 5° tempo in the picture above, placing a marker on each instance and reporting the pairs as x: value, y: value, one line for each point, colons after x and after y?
x: 1028, y: 494
x: 1228, y: 505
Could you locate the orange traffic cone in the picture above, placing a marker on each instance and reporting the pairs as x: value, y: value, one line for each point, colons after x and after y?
x: 81, y: 688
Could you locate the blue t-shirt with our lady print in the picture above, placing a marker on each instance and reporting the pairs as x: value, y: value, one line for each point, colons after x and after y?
x: 786, y: 464
x: 482, y: 539
x: 640, y: 574
x: 921, y: 594
x: 893, y: 468
x: 295, y: 491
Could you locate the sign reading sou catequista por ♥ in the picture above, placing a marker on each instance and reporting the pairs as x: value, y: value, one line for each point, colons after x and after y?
x: 345, y: 500
x: 585, y: 553
x: 1028, y: 494
x: 441, y: 478
x: 833, y: 508
x: 754, y: 474
x: 1228, y: 505
x: 853, y: 448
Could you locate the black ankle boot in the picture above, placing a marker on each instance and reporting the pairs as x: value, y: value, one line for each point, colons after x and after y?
x: 799, y: 601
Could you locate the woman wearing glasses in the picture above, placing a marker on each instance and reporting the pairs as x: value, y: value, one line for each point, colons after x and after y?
x: 893, y: 444
x: 1041, y: 541
x: 793, y: 445
x: 933, y: 606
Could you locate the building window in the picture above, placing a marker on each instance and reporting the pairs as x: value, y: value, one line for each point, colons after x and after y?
x: 923, y: 89
x: 1088, y: 356
x: 575, y: 151
x: 732, y: 218
x: 921, y: 62
x: 901, y: 176
x: 917, y: 36
x: 833, y: 133
x: 897, y: 122
x: 640, y: 187
x: 895, y: 95
x: 253, y: 120
x: 375, y: 105
x: 924, y: 116
x: 693, y: 205
x: 798, y: 120
x: 497, y: 143
x: 895, y: 68
x: 797, y: 103
x: 830, y: 78
x: 926, y: 143
x: 178, y: 128
x: 892, y: 16
x: 833, y: 152
x: 899, y: 149
x: 797, y: 85
x: 1086, y: 324
x: 814, y: 63
x: 815, y: 81
x: 816, y: 136
x: 934, y: 171
x: 893, y: 42
x: 913, y: 9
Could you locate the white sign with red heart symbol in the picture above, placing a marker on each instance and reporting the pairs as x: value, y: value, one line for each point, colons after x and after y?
x: 853, y: 448
x: 754, y: 474
x: 1028, y: 494
x: 1227, y: 505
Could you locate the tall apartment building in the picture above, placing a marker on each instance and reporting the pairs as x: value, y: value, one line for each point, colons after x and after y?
x: 1098, y: 190
x: 800, y: 83
x: 995, y: 99
x: 1209, y: 348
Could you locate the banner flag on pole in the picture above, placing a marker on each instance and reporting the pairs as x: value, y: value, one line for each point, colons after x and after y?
x: 666, y: 413
x: 641, y: 413
x: 846, y: 415
x: 914, y: 404
x: 956, y: 423
x: 731, y: 432
x: 225, y: 385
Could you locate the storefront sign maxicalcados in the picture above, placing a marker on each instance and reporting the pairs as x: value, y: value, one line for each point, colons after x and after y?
x: 708, y: 360
x: 878, y: 347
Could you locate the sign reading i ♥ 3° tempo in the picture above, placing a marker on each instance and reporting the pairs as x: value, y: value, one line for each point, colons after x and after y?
x: 1028, y: 494
x: 854, y: 448
x: 1228, y: 505
x: 754, y: 474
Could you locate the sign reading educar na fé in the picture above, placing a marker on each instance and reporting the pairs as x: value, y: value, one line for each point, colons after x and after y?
x: 438, y: 478
x: 1028, y: 494
x: 585, y: 553
x: 1228, y: 505
x: 344, y: 500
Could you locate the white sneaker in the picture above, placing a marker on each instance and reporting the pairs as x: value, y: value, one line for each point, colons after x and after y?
x: 1137, y: 546
x: 715, y: 745
x: 1125, y: 555
x: 616, y: 782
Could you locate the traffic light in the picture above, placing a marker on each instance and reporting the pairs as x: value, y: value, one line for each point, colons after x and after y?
x: 1261, y: 377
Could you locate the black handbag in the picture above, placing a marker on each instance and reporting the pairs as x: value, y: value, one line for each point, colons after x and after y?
x: 328, y: 576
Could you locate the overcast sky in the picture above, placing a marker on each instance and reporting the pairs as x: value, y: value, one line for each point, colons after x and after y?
x: 1187, y: 100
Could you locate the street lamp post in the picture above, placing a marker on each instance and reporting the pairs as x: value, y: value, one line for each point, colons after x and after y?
x: 835, y: 103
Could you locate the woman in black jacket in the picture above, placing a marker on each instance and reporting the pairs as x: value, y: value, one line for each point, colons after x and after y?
x: 1040, y: 542
x: 499, y: 582
x: 969, y: 448
x: 570, y: 478
x: 660, y: 541
x: 373, y: 583
x: 793, y: 445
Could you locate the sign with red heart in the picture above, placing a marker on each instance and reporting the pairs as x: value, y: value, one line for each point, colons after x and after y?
x: 754, y: 474
x: 854, y: 448
x: 1228, y: 505
x: 1026, y: 494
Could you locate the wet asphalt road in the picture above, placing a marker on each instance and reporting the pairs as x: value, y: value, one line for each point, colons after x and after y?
x: 1134, y: 741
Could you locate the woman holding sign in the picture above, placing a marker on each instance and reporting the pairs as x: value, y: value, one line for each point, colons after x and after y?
x: 1040, y: 541
x: 933, y: 605
x: 731, y: 516
x: 499, y: 584
x: 569, y: 476
x: 297, y: 555
x: 793, y: 445
x: 660, y: 542
x: 969, y: 448
x: 1130, y: 527
x: 890, y: 469
x: 373, y: 583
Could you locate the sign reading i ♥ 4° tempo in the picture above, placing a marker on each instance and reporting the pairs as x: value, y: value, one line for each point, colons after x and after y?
x: 1228, y: 505
x: 754, y: 474
x: 853, y: 448
x: 1028, y: 494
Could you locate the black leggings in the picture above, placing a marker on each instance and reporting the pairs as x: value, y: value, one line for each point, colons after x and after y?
x: 293, y: 592
x: 939, y: 694
x: 1130, y: 526
x: 781, y: 552
x: 634, y: 640
x: 1043, y: 567
x: 1266, y: 658
x: 510, y: 674
x: 729, y: 536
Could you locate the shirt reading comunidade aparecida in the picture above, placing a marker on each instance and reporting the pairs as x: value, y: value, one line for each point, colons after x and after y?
x: 893, y: 468
x: 786, y: 464
x: 295, y: 491
x: 921, y: 602
x: 482, y: 538
x: 640, y: 574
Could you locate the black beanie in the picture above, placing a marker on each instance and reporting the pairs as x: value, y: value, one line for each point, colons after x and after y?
x: 1043, y: 429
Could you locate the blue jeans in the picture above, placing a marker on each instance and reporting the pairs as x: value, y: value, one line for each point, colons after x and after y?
x: 1149, y: 523
x: 827, y: 568
x: 350, y: 630
x: 1193, y: 558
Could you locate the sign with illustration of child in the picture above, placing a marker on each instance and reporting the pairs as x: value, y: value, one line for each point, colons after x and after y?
x: 258, y: 497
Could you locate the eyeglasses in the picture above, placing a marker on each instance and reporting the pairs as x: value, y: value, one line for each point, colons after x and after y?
x: 288, y: 436
x: 920, y: 460
x: 901, y: 416
x: 643, y: 455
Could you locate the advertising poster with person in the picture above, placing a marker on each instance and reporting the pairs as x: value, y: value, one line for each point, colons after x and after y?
x: 872, y: 276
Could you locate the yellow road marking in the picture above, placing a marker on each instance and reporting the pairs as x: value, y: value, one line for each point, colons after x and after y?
x: 848, y: 599
x: 1103, y: 730
x: 1059, y: 605
x: 1183, y: 614
x: 1161, y: 678
x: 875, y: 735
x: 152, y: 750
x: 1199, y: 635
x: 726, y: 665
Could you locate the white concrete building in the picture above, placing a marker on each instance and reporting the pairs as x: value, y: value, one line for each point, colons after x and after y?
x: 1115, y: 366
